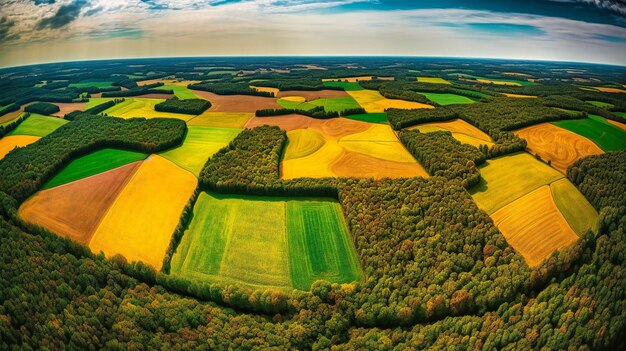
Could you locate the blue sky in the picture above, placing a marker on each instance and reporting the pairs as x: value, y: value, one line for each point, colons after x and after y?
x: 33, y: 31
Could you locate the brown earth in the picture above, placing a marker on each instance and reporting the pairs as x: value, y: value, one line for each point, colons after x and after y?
x: 74, y: 210
x: 67, y: 107
x: 332, y: 128
x: 237, y: 103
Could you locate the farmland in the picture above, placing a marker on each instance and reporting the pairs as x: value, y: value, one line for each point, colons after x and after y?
x: 559, y: 146
x: 447, y: 99
x: 461, y: 131
x: 606, y: 135
x: 373, y: 102
x: 38, y: 125
x: 139, y: 107
x: 432, y: 80
x: 163, y: 190
x: 10, y: 142
x: 284, y: 250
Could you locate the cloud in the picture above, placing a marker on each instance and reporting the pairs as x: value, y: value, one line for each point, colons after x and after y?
x: 5, y: 29
x: 617, y: 6
x: 65, y: 15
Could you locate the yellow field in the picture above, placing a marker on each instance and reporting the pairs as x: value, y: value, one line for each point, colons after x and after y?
x: 221, y: 119
x: 610, y: 90
x: 266, y: 89
x: 303, y: 142
x: 433, y: 80
x: 520, y: 96
x: 142, y: 107
x: 508, y: 178
x: 294, y: 98
x: 373, y: 151
x: 578, y: 212
x: 142, y: 219
x: 487, y: 81
x: 616, y: 123
x: 534, y: 226
x: 372, y: 101
x: 176, y: 82
x: 560, y: 146
x: 10, y: 142
x: 461, y: 131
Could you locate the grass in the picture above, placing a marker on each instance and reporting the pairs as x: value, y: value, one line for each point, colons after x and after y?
x: 373, y: 102
x: 606, y: 135
x: 534, y: 226
x: 380, y: 117
x: 347, y: 86
x: 507, y: 178
x: 8, y: 143
x: 199, y: 145
x: 91, y: 83
x: 600, y: 104
x: 478, y: 93
x: 578, y: 212
x: 180, y: 92
x: 337, y: 104
x: 319, y: 244
x: 447, y: 99
x: 266, y: 242
x: 38, y: 125
x: 432, y: 80
x: 92, y: 164
x: 621, y: 114
x: 141, y: 221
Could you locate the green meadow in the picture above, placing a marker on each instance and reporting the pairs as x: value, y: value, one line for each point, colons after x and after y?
x: 38, y: 125
x: 447, y: 99
x: 606, y: 135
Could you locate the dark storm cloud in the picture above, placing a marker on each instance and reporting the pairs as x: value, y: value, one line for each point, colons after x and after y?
x: 5, y: 27
x: 64, y: 16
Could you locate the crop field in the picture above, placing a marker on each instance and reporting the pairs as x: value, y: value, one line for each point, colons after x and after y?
x: 610, y: 90
x: 559, y: 146
x: 258, y: 241
x: 347, y: 86
x: 10, y: 117
x: 199, y: 145
x: 330, y: 104
x: 616, y: 123
x: 275, y: 91
x: 92, y: 164
x: 380, y: 117
x: 309, y: 95
x: 600, y: 104
x: 534, y: 226
x: 447, y: 99
x: 180, y: 91
x: 140, y: 107
x: 302, y: 143
x: 432, y: 80
x: 507, y: 178
x: 606, y: 135
x: 75, y: 209
x: 8, y: 143
x: 146, y: 211
x: 578, y: 212
x: 65, y: 108
x: 38, y: 125
x: 519, y: 96
x: 221, y: 119
x: 237, y: 103
x: 461, y: 131
x: 373, y: 102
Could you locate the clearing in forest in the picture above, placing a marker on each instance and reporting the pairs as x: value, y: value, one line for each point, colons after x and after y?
x: 75, y: 209
x: 519, y: 96
x: 337, y: 104
x: 610, y: 90
x: 67, y: 107
x: 10, y: 142
x: 559, y: 146
x: 199, y: 145
x: 92, y: 83
x: 266, y: 242
x: 237, y: 103
x: 534, y: 226
x: 38, y: 125
x: 139, y: 107
x: 606, y: 135
x: 432, y: 80
x: 461, y: 131
x: 141, y: 221
x: 578, y: 212
x: 508, y: 178
x: 92, y: 164
x: 347, y: 86
x: 447, y: 99
x: 372, y: 101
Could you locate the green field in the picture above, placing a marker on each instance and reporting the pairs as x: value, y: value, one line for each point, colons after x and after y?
x: 136, y: 107
x: 577, y: 211
x: 447, y: 99
x: 182, y: 93
x: 331, y: 104
x: 478, y: 93
x: 92, y: 83
x: 38, y: 125
x: 621, y: 114
x: 600, y: 104
x: 92, y: 164
x: 319, y: 244
x: 200, y: 143
x: 432, y: 80
x: 520, y: 82
x: 347, y: 86
x: 258, y: 241
x: 370, y: 117
x: 606, y: 135
x: 507, y: 178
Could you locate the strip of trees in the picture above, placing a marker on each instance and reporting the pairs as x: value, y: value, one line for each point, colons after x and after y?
x: 187, y: 106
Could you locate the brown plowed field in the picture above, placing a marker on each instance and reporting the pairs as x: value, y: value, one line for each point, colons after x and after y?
x: 68, y: 107
x: 237, y: 103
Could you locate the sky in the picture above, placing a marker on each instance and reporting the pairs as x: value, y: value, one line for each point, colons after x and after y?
x: 38, y: 31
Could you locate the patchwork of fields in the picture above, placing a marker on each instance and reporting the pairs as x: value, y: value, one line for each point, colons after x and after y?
x: 461, y: 131
x: 266, y: 242
x: 608, y: 136
x: 373, y: 102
